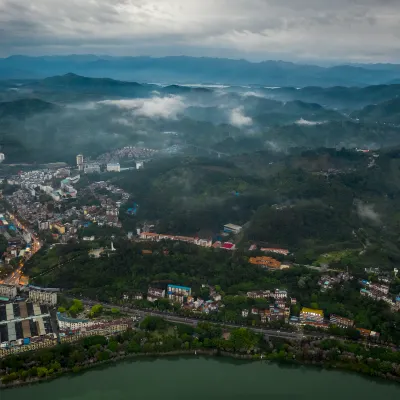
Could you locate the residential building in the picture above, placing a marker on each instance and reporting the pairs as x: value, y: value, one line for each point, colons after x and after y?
x: 2, y: 157
x: 154, y: 294
x: 364, y: 332
x: 279, y: 294
x: 67, y: 323
x: 259, y: 294
x: 228, y: 246
x: 43, y: 225
x: 341, y: 321
x: 91, y: 168
x: 232, y: 228
x: 245, y: 313
x: 284, y: 252
x: 156, y: 237
x: 178, y: 293
x: 43, y: 297
x: 139, y: 164
x: 8, y: 291
x: 60, y: 228
x: 113, y: 167
x: 311, y: 315
x: 79, y: 162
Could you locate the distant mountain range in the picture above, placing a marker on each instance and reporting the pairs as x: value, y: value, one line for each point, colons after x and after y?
x: 388, y: 112
x: 181, y: 69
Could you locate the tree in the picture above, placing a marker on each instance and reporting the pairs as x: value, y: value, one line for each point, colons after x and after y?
x: 153, y: 323
x: 96, y: 310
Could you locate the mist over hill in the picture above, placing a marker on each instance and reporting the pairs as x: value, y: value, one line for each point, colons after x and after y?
x: 53, y: 119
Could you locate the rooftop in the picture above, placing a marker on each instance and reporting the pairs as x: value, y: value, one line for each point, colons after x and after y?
x: 312, y: 310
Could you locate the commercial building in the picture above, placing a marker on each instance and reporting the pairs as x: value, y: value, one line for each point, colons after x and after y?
x: 43, y: 297
x: 79, y: 162
x: 232, y: 228
x: 154, y: 294
x: 341, y: 321
x: 113, y: 167
x: 311, y: 315
x: 8, y: 291
x: 178, y: 293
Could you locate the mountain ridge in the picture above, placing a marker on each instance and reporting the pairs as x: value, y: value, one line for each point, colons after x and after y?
x: 184, y: 69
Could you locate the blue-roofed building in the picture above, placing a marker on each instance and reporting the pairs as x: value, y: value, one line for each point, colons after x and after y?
x: 178, y: 293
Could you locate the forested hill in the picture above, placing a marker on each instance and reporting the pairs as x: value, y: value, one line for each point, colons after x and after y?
x: 24, y: 108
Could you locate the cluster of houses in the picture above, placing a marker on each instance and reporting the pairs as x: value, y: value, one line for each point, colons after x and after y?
x: 327, y: 282
x: 183, y: 295
x: 279, y: 310
x: 315, y: 317
x: 378, y: 291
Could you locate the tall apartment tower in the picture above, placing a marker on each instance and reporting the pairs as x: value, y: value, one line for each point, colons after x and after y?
x: 79, y: 162
x: 2, y: 157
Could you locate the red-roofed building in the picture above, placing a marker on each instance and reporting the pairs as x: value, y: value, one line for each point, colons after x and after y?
x: 228, y: 246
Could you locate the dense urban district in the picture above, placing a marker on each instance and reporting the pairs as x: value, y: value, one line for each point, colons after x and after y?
x: 88, y: 277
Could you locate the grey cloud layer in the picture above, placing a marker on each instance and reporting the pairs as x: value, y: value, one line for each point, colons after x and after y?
x: 346, y: 29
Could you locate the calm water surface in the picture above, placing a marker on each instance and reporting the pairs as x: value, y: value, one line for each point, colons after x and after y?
x: 206, y: 379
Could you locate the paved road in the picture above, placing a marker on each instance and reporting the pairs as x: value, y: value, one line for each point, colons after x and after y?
x: 194, y: 321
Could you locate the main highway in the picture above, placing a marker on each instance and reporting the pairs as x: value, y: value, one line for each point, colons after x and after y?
x: 15, y: 277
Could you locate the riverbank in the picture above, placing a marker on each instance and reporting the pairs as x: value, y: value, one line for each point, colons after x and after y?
x: 158, y: 338
x: 193, y: 354
x: 202, y: 377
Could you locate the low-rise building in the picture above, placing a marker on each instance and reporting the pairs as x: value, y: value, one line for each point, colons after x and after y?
x: 284, y: 252
x: 232, y: 228
x: 60, y: 228
x: 154, y: 294
x: 8, y: 291
x: 311, y: 315
x: 91, y: 168
x: 341, y: 321
x: 113, y: 167
x: 43, y: 297
x: 178, y: 293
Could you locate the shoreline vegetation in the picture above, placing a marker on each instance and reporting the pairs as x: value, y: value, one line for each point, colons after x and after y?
x: 158, y: 338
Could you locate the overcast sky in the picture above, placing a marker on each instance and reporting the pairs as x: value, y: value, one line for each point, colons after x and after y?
x: 298, y: 30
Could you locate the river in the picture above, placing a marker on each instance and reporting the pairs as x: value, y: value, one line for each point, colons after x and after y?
x: 206, y: 379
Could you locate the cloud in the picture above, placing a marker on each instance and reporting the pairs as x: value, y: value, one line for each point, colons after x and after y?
x: 366, y: 211
x: 155, y: 107
x: 302, y: 121
x: 238, y: 119
x: 358, y: 30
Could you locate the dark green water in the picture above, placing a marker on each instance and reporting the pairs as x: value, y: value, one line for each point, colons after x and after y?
x: 206, y: 379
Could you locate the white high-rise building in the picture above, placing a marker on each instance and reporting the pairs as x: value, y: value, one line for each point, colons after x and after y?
x: 2, y: 157
x: 79, y: 161
x: 139, y: 164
